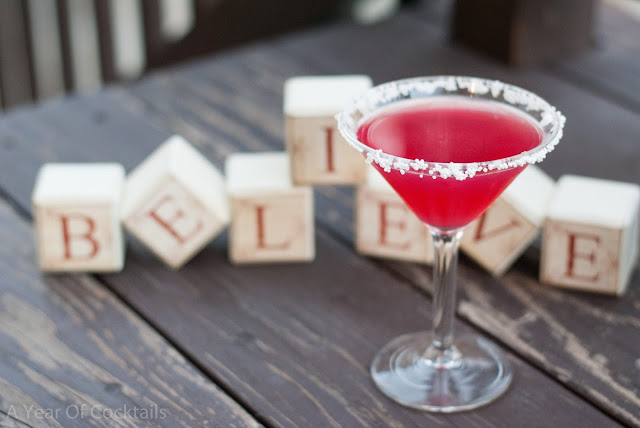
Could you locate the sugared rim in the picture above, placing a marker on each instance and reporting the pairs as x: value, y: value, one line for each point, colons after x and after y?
x: 548, y: 118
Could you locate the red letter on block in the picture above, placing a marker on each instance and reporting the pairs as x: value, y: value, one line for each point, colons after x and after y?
x: 329, y: 146
x: 168, y: 223
x: 385, y: 224
x: 87, y: 236
x: 262, y: 241
x: 480, y: 232
x: 572, y: 256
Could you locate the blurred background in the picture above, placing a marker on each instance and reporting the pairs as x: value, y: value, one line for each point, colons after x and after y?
x: 49, y: 48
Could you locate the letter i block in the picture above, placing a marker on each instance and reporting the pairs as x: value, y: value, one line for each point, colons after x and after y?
x: 271, y: 220
x: 590, y: 238
x: 76, y: 213
x: 319, y: 154
x: 175, y: 202
x: 505, y: 230
x: 385, y: 227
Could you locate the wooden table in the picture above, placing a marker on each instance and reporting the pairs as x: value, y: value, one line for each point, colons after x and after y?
x: 289, y: 345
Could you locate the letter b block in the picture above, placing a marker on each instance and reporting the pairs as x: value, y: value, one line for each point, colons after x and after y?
x: 590, y: 238
x: 385, y: 227
x: 271, y: 220
x: 318, y: 153
x: 76, y: 214
x: 502, y: 233
x: 175, y: 202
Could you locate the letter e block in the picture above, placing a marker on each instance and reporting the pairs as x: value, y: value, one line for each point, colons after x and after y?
x: 385, y: 227
x: 319, y: 154
x: 590, y: 238
x: 175, y: 202
x: 76, y: 214
x: 505, y: 230
x: 271, y: 220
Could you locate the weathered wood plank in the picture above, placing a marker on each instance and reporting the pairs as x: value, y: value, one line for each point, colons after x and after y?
x: 71, y: 354
x: 296, y: 351
x: 207, y: 90
x: 299, y: 350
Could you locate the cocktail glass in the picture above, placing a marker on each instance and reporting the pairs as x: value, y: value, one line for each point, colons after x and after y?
x: 431, y: 370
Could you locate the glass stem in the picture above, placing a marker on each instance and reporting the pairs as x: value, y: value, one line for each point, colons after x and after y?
x: 444, y: 289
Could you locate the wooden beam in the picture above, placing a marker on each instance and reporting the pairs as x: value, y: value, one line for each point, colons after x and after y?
x: 15, y: 63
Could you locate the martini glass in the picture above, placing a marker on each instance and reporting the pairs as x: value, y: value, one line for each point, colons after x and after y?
x: 449, y: 146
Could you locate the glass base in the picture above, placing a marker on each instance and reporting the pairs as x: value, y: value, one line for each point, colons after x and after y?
x: 472, y: 373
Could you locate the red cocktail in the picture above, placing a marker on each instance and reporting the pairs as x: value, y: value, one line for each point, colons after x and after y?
x: 449, y: 146
x: 450, y: 129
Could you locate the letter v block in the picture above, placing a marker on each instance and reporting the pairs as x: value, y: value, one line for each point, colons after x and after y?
x: 76, y: 214
x: 505, y: 230
x: 385, y: 227
x: 590, y: 238
x: 271, y: 220
x: 175, y: 202
x: 319, y: 154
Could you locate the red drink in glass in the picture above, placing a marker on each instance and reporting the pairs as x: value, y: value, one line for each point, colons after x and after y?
x: 446, y: 129
x: 449, y: 145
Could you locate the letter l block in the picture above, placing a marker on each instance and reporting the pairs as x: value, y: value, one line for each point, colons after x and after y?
x: 175, y: 202
x: 271, y: 220
x: 76, y: 216
x: 590, y: 238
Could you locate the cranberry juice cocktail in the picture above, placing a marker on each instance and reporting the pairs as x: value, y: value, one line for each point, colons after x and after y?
x: 444, y: 130
x: 449, y: 146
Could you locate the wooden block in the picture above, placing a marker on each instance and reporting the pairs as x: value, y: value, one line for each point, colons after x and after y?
x: 500, y: 235
x: 524, y: 32
x: 175, y: 202
x: 590, y: 238
x: 76, y: 214
x: 272, y: 221
x: 318, y: 153
x: 385, y: 227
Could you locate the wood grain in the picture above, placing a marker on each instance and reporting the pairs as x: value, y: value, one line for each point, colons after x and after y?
x: 293, y: 342
x: 72, y: 354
